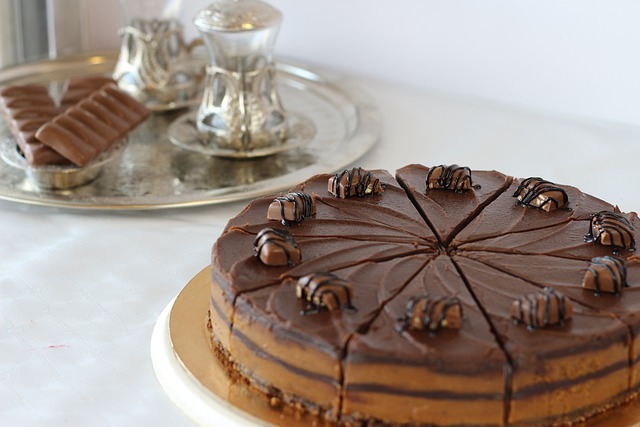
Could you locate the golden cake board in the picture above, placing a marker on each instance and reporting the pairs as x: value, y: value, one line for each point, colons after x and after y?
x: 190, y: 343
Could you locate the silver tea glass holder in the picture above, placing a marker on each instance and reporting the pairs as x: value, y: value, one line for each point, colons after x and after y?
x: 241, y: 114
x: 155, y: 64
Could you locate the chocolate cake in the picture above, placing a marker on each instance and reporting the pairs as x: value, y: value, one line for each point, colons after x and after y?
x: 441, y: 296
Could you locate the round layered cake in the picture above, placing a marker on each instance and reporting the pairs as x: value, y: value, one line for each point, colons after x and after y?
x: 440, y: 296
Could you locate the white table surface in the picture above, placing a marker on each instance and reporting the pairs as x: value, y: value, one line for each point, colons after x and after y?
x: 81, y: 291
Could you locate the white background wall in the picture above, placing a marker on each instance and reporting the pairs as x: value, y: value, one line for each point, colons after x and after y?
x: 580, y: 57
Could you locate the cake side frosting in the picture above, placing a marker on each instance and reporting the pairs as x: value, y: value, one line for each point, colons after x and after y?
x: 311, y: 343
x: 586, y: 356
x: 452, y: 375
x: 566, y: 276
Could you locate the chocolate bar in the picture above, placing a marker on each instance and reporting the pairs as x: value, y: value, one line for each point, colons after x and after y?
x: 92, y: 116
x: 75, y: 133
x: 80, y: 87
x: 27, y: 108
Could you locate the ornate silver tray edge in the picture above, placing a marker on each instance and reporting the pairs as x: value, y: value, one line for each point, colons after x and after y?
x: 361, y: 134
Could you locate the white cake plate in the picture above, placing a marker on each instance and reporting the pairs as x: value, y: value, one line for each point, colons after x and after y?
x: 201, y: 405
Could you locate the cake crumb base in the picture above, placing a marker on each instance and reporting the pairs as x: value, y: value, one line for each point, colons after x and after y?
x: 273, y: 397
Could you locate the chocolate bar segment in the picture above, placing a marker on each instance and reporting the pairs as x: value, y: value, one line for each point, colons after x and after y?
x: 17, y: 91
x: 25, y: 96
x: 276, y: 247
x: 38, y: 154
x: 27, y: 108
x: 432, y: 313
x: 25, y: 122
x: 79, y: 87
x: 291, y: 207
x: 324, y: 291
x: 76, y: 134
x: 611, y: 229
x: 354, y: 182
x: 541, y: 309
x: 124, y: 99
x: 64, y: 138
x: 606, y: 274
x: 104, y: 115
x: 451, y: 177
x: 89, y: 120
x: 538, y: 193
x: 31, y: 118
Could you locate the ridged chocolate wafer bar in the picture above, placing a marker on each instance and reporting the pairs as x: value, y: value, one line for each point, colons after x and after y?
x: 76, y: 134
x: 11, y: 95
x: 78, y: 88
x: 27, y: 108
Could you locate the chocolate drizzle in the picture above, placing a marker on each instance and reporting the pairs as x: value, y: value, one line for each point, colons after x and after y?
x: 546, y: 307
x: 276, y: 247
x: 354, y: 182
x: 606, y: 274
x: 453, y: 177
x: 291, y: 207
x: 324, y: 291
x: 611, y: 229
x: 538, y: 193
x: 431, y: 313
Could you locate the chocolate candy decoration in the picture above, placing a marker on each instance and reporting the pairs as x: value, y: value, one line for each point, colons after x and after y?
x: 432, y: 313
x: 544, y: 308
x: 324, y: 291
x: 276, y: 247
x: 611, y: 229
x: 451, y: 177
x: 538, y: 193
x: 291, y: 207
x: 354, y: 182
x: 605, y: 274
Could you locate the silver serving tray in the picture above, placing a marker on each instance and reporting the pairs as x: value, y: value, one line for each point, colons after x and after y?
x: 153, y: 173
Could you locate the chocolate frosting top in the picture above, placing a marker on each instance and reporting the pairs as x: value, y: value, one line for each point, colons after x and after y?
x: 326, y: 330
x: 504, y: 215
x: 448, y: 211
x: 385, y: 217
x: 566, y: 275
x: 553, y: 341
x: 565, y: 240
x: 384, y: 343
x: 392, y: 226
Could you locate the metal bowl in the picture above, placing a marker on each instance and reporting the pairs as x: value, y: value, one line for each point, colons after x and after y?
x: 59, y: 177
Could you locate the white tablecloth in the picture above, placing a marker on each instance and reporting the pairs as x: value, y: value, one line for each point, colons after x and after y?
x: 81, y: 291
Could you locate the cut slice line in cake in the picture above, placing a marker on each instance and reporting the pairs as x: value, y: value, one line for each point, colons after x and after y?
x: 447, y: 211
x: 587, y: 355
